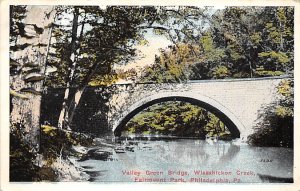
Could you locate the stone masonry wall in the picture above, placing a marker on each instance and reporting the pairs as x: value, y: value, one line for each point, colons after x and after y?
x: 101, y: 107
x: 245, y: 98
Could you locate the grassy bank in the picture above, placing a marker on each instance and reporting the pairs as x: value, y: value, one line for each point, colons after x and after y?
x: 55, y: 161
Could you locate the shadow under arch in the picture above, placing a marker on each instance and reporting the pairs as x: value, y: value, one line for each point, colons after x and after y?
x: 227, y: 117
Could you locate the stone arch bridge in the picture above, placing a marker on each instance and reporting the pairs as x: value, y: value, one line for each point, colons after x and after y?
x: 237, y: 102
x: 103, y: 110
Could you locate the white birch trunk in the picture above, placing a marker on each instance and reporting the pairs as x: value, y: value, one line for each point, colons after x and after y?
x: 63, y: 116
x: 73, y: 105
x: 63, y: 120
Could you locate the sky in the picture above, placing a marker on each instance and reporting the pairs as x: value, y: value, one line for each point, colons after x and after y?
x: 146, y: 52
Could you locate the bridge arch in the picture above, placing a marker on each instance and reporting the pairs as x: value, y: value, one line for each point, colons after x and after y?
x: 233, y: 124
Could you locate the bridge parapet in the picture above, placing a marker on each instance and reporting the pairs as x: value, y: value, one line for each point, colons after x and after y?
x: 240, y: 98
x: 102, y: 109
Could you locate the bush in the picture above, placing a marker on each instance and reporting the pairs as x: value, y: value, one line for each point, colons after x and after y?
x: 54, y: 143
x: 276, y: 128
x: 274, y: 131
x: 58, y: 143
x: 21, y: 166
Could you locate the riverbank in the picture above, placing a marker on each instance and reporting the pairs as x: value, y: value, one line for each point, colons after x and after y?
x: 60, y: 151
x: 70, y: 169
x: 52, y: 162
x: 70, y: 156
x: 66, y: 171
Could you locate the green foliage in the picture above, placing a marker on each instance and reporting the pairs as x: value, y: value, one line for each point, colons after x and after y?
x: 103, y: 80
x: 207, y: 43
x: 283, y: 112
x: 279, y: 57
x: 230, y: 41
x: 23, y: 160
x: 264, y: 73
x: 286, y: 88
x: 256, y: 38
x: 209, y: 51
x: 22, y: 167
x: 58, y: 143
x: 220, y: 72
x: 177, y: 119
x: 233, y: 46
x: 286, y: 107
x: 54, y: 143
x: 107, y: 36
x: 276, y: 128
x: 172, y: 64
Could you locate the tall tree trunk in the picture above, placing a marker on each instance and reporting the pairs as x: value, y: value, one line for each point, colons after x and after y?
x: 63, y: 117
x: 251, y: 69
x: 281, y: 30
x: 79, y: 91
x: 26, y: 88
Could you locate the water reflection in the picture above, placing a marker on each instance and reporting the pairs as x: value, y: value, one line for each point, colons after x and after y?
x: 190, y: 155
x: 228, y: 155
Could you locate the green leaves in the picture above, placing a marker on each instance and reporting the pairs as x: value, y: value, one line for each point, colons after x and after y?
x: 279, y: 57
x: 277, y: 120
x: 283, y: 112
x: 220, y: 72
x: 175, y: 118
x: 209, y: 50
x: 256, y: 38
x: 264, y: 73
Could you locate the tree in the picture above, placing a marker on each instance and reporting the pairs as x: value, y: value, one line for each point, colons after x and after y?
x: 100, y: 48
x: 176, y: 118
x: 277, y: 41
x: 233, y: 46
x: 30, y: 35
x: 276, y: 126
x: 213, y: 60
x: 172, y: 65
x: 255, y: 43
x: 109, y: 38
x: 72, y: 62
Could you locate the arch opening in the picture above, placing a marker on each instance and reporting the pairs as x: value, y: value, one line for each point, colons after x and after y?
x: 230, y: 121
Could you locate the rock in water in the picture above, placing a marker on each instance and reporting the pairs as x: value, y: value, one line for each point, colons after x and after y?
x: 96, y: 154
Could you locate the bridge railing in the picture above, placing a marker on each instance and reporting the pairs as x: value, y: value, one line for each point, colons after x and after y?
x: 212, y: 80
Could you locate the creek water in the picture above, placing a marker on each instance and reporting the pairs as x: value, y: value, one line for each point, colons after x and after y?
x: 194, y: 161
